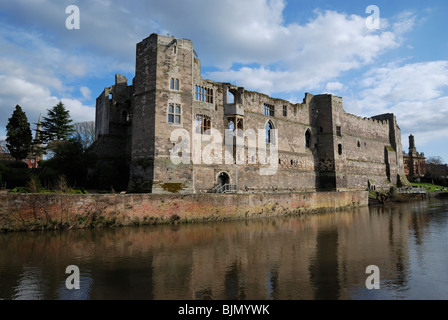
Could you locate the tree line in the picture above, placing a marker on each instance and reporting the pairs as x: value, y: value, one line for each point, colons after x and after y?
x: 65, y: 145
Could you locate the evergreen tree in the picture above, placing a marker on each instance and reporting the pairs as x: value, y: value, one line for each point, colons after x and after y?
x: 19, y: 136
x: 57, y: 125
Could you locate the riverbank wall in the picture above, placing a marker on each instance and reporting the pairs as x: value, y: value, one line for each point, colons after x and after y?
x: 26, y: 212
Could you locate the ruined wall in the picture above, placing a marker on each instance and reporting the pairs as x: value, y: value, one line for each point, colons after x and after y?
x: 365, y: 143
x: 320, y: 146
x: 113, y: 123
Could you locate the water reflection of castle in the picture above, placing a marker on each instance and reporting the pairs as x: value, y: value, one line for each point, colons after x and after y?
x: 316, y: 257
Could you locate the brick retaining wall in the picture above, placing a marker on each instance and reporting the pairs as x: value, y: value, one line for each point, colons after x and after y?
x: 20, y: 212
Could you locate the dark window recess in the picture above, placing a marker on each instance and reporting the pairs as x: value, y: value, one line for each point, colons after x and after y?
x: 338, y: 131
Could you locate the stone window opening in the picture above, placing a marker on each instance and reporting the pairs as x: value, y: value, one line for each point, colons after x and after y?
x: 230, y: 98
x: 231, y: 126
x: 268, y: 110
x: 203, y: 124
x: 223, y: 179
x: 203, y: 94
x: 285, y: 111
x: 269, y: 137
x: 338, y: 131
x: 174, y: 113
x: 359, y: 144
x: 307, y: 139
x: 235, y: 124
x: 340, y: 149
x: 174, y: 84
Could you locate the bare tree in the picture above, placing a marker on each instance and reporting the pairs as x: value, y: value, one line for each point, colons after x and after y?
x: 434, y: 168
x: 85, y: 133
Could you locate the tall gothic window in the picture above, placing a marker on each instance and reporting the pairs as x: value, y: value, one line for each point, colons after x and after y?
x: 203, y: 124
x: 307, y: 138
x: 269, y: 136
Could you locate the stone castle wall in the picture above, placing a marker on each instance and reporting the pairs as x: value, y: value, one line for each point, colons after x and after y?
x: 320, y: 146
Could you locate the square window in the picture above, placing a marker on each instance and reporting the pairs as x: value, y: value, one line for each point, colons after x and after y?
x: 174, y: 113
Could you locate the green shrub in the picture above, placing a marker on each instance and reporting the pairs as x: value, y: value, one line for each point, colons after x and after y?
x: 19, y: 190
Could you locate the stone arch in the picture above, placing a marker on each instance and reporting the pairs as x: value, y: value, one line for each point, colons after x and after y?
x: 307, y: 138
x: 268, y: 127
x: 223, y: 178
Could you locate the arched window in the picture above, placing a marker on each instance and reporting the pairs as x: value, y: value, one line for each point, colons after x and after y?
x: 230, y: 98
x: 307, y: 138
x: 269, y: 134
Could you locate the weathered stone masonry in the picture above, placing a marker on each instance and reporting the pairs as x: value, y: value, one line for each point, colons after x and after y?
x: 55, y: 211
x: 320, y: 146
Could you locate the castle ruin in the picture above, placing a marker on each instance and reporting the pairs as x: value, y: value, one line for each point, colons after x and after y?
x: 318, y: 146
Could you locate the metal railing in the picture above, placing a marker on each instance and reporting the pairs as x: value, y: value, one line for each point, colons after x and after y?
x: 227, y: 188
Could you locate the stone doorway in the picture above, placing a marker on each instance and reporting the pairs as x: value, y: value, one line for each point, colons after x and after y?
x: 223, y: 179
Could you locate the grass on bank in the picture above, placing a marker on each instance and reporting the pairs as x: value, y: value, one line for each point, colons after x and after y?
x: 429, y: 187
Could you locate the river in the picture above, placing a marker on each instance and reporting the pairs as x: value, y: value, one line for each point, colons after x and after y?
x: 319, y: 256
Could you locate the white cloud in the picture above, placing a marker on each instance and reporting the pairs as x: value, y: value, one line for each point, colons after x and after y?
x: 304, y: 57
x: 417, y: 93
x: 86, y: 92
x: 394, y: 87
x: 36, y: 99
x: 334, y: 86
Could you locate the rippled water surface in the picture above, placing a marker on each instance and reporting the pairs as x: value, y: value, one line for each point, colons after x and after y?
x: 321, y: 256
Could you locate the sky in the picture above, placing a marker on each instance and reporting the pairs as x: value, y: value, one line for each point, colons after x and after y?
x: 277, y: 47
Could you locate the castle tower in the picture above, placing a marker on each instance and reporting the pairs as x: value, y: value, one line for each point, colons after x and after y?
x: 412, y: 148
x: 163, y: 101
